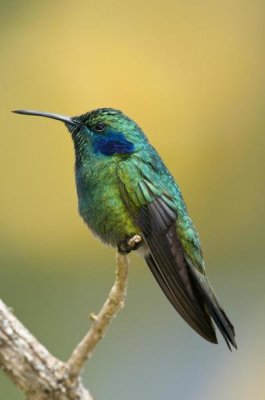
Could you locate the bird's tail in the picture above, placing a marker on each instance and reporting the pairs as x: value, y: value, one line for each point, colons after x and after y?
x: 213, y: 307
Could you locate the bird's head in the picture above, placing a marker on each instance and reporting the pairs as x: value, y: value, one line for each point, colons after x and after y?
x: 103, y: 132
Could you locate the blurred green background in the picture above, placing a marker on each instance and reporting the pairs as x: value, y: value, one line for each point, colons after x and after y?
x: 191, y: 73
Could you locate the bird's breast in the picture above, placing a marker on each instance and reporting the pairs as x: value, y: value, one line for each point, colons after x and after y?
x: 101, y: 205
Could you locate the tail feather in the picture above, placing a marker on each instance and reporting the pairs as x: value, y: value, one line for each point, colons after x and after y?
x: 217, y: 313
x: 200, y: 322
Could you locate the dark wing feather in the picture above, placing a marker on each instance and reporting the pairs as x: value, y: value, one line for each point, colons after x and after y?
x: 183, y: 284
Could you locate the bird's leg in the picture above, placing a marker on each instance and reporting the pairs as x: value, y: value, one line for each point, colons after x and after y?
x: 127, y: 245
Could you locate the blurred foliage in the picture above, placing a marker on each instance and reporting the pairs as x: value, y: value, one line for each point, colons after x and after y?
x: 192, y: 75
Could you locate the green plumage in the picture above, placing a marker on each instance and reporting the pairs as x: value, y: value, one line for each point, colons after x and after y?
x: 125, y: 189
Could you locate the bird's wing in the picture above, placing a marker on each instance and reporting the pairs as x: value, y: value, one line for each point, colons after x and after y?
x: 175, y: 259
x: 185, y: 286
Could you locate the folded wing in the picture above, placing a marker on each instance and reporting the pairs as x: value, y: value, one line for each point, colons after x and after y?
x: 186, y: 287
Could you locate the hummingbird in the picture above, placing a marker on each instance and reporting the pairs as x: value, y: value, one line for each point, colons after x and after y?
x: 125, y: 191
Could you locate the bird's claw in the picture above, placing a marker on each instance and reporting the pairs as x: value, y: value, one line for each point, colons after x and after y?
x: 126, y: 246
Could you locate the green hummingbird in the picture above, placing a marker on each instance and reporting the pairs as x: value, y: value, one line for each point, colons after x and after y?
x: 125, y: 190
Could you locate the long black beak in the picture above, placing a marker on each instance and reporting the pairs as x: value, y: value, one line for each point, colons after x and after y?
x: 63, y: 118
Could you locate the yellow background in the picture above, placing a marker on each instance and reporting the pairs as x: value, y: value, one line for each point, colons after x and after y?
x: 191, y: 73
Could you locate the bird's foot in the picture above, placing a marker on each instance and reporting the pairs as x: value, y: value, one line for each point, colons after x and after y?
x: 126, y: 246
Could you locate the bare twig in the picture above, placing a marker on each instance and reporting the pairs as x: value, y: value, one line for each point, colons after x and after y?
x: 39, y: 374
x: 111, y: 307
x: 31, y: 367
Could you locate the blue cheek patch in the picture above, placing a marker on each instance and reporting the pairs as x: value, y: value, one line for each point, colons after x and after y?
x: 112, y: 143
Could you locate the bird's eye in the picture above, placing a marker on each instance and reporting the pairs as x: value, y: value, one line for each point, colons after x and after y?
x: 99, y: 127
